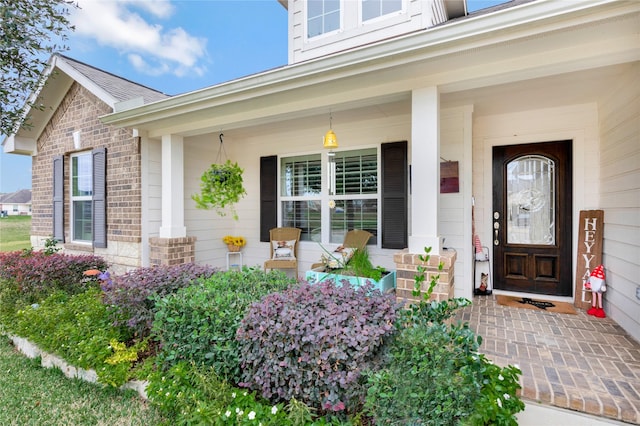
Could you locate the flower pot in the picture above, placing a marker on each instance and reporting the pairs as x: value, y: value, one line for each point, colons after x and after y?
x: 233, y: 248
x: 386, y: 283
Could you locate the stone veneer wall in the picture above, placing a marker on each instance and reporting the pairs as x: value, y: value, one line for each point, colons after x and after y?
x: 407, y: 266
x: 172, y: 251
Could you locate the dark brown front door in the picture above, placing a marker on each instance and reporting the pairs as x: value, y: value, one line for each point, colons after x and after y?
x: 532, y: 218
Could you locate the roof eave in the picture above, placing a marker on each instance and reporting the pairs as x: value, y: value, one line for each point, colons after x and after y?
x: 436, y: 41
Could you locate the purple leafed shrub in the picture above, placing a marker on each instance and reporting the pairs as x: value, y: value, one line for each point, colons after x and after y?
x: 129, y: 294
x: 313, y: 341
x: 37, y: 274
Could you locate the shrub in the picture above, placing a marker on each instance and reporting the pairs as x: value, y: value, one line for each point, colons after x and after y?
x: 79, y: 329
x: 312, y: 343
x: 193, y: 394
x: 199, y: 323
x: 431, y: 379
x: 130, y: 294
x: 38, y: 274
x: 435, y: 375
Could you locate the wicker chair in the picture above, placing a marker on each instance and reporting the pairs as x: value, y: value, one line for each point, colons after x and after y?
x: 286, y: 262
x: 356, y: 238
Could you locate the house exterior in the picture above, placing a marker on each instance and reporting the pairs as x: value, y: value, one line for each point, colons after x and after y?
x: 532, y: 106
x: 76, y: 160
x: 16, y: 203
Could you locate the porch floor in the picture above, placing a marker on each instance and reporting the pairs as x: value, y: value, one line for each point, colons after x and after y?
x: 577, y: 362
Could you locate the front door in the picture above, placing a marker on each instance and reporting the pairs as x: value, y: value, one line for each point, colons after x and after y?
x: 532, y: 218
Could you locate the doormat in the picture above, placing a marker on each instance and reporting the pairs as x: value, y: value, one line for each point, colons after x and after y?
x: 538, y: 305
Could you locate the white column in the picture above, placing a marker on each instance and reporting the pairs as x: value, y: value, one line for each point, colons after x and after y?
x: 172, y: 187
x: 425, y: 170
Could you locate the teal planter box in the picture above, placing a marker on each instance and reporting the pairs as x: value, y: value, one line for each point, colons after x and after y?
x: 387, y: 282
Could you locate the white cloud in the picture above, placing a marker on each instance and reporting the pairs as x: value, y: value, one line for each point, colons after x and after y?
x: 150, y: 47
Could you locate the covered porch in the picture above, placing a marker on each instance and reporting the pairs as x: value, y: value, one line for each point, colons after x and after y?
x: 574, y: 362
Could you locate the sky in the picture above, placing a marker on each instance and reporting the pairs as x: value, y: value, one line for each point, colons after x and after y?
x: 174, y: 46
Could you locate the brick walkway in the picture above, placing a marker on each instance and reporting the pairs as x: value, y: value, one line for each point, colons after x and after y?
x: 576, y: 362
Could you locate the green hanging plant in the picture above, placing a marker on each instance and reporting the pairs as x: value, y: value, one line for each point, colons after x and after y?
x: 220, y: 188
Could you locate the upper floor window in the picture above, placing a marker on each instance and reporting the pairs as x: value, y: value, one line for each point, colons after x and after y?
x: 372, y: 9
x: 81, y: 197
x: 323, y: 16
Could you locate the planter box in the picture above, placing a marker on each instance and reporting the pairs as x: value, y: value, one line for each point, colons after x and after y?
x: 387, y: 282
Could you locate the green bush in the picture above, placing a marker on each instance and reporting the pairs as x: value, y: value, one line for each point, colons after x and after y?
x: 313, y: 341
x: 431, y: 378
x: 193, y: 394
x: 199, y: 323
x: 131, y: 295
x: 435, y: 375
x: 79, y: 329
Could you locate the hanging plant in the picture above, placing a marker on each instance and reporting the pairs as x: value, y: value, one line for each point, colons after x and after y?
x: 220, y: 188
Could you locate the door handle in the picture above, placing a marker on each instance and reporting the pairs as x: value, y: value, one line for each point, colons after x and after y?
x: 496, y: 227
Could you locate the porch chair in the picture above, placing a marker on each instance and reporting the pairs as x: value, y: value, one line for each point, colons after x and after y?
x: 283, y: 249
x: 354, y: 239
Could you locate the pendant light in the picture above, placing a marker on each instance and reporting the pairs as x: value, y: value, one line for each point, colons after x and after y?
x: 330, y: 140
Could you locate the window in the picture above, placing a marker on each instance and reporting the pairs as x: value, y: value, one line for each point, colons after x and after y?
x: 323, y: 16
x: 355, y: 199
x: 372, y: 9
x: 370, y: 192
x: 301, y: 194
x: 81, y: 197
x: 87, y: 188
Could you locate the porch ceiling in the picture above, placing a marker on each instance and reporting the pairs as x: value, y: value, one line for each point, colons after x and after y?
x: 554, y: 60
x: 564, y: 89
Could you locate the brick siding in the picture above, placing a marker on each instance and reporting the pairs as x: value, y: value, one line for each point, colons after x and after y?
x: 80, y: 110
x: 407, y: 267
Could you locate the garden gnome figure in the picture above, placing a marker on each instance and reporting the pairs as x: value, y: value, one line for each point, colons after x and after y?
x: 595, y: 283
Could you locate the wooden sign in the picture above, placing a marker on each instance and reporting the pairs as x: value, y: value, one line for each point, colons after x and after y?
x: 590, y: 232
x: 449, y: 179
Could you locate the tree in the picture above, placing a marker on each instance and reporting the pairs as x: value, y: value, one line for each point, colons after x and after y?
x: 30, y: 31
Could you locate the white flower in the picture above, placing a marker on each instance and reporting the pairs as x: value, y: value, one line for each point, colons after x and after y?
x: 506, y: 396
x: 332, y: 204
x: 274, y: 409
x: 233, y: 395
x: 499, y: 402
x: 167, y: 394
x: 237, y: 410
x: 228, y: 413
x: 244, y: 393
x: 252, y: 415
x: 500, y: 377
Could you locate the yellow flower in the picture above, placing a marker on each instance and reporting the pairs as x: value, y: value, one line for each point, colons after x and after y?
x: 236, y: 241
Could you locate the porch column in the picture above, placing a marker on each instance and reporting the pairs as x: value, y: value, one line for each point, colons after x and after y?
x: 172, y: 187
x: 425, y: 170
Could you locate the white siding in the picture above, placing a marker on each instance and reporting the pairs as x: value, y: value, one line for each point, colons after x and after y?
x: 454, y: 219
x: 620, y: 199
x: 151, y: 176
x: 416, y: 15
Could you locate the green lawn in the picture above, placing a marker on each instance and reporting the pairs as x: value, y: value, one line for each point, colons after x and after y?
x: 14, y: 233
x: 32, y: 395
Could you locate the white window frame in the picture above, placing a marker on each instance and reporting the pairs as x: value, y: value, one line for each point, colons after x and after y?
x: 380, y: 17
x: 74, y: 198
x: 324, y: 33
x: 324, y: 198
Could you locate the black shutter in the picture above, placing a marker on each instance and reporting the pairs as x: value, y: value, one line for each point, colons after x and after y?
x: 58, y: 199
x: 99, y: 197
x: 268, y: 195
x: 395, y: 210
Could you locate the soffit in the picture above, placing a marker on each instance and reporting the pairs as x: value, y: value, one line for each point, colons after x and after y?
x: 531, y: 50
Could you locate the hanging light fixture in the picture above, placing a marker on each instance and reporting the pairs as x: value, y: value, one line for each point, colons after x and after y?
x: 330, y: 140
